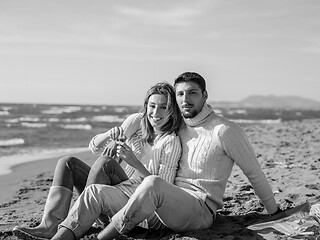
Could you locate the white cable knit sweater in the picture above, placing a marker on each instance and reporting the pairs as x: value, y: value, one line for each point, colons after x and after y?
x: 211, y: 145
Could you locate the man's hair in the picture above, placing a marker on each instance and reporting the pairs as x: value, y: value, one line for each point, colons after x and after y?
x: 174, y: 119
x: 191, y: 77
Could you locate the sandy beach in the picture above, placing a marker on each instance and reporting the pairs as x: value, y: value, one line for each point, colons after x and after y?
x: 289, y: 153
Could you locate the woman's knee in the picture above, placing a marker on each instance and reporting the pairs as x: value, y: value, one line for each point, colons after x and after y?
x: 73, y: 164
x: 103, y: 162
x: 67, y: 161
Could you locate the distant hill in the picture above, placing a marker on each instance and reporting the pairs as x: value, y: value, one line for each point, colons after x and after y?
x: 273, y: 102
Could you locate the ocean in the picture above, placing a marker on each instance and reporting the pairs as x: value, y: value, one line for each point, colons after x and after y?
x: 30, y: 129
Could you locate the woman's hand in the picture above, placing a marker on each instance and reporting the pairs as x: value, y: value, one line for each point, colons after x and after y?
x: 125, y: 153
x: 110, y: 150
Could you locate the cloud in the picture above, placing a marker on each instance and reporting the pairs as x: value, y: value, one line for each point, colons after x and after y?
x: 157, y: 16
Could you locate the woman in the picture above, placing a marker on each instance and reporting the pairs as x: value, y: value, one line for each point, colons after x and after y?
x: 151, y: 147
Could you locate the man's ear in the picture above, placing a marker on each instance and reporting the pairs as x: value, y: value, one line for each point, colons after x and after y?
x: 205, y: 95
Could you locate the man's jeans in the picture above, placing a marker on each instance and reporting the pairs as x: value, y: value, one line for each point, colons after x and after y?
x: 177, y: 208
x: 161, y: 203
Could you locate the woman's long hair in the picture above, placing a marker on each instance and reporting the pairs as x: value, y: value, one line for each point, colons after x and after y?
x: 174, y: 115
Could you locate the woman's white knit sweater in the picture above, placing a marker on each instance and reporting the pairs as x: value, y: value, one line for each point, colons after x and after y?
x: 211, y: 145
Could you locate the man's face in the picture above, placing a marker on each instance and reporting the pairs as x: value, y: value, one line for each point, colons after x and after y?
x: 190, y: 98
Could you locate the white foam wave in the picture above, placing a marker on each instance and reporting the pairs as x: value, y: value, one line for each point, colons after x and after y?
x: 76, y: 126
x: 29, y: 119
x: 11, y: 142
x: 13, y: 120
x: 107, y: 118
x: 53, y: 120
x: 91, y: 109
x: 266, y: 121
x: 120, y: 109
x: 23, y: 119
x: 4, y: 113
x: 6, y: 108
x: 60, y: 110
x: 34, y: 125
x: 237, y: 111
x: 82, y: 119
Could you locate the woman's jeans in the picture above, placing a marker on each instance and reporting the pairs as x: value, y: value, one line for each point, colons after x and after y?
x: 72, y: 172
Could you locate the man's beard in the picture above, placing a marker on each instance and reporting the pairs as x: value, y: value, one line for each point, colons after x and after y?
x: 189, y: 114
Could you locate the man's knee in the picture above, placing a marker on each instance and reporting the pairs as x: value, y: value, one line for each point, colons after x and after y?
x: 91, y: 190
x: 153, y: 182
x: 103, y: 196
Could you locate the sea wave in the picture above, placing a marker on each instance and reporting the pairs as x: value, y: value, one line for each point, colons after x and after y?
x: 92, y: 109
x: 107, y: 118
x: 237, y: 111
x: 266, y: 121
x: 120, y: 109
x: 34, y: 125
x: 23, y: 119
x: 61, y: 110
x: 76, y: 126
x: 80, y: 119
x: 12, y: 142
x: 4, y: 113
x: 6, y: 108
x: 12, y: 120
x: 29, y: 119
x: 53, y: 120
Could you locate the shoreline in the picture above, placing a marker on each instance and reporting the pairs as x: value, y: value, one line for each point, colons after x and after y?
x: 40, y: 163
x: 8, y: 163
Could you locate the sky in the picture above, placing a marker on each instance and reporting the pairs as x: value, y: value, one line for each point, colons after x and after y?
x: 111, y: 52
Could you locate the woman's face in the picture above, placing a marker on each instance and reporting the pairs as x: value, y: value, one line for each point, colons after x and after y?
x: 157, y: 111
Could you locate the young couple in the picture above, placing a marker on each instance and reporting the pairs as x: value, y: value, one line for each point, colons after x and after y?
x: 172, y: 166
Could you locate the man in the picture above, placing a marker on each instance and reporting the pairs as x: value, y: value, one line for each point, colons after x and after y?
x: 211, y: 145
